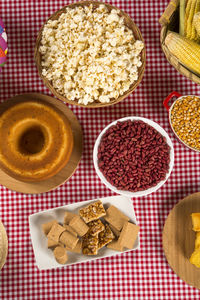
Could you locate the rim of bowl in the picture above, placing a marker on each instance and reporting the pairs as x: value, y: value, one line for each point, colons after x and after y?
x: 124, y: 192
x: 47, y: 83
x: 170, y: 110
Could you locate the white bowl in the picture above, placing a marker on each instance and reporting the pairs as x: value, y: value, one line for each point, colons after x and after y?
x: 124, y: 192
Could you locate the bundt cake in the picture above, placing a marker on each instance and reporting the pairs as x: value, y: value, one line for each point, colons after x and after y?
x: 36, y: 141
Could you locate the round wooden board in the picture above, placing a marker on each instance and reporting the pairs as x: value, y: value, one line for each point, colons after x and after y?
x: 179, y: 239
x: 67, y: 171
x: 3, y: 245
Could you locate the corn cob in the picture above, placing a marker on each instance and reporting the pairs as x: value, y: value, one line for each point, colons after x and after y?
x: 196, y: 22
x: 190, y: 18
x: 194, y: 35
x: 186, y: 51
x: 182, y: 17
x: 187, y: 11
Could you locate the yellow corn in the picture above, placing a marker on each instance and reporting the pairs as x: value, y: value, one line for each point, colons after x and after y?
x: 196, y: 22
x: 182, y: 17
x: 186, y: 51
x: 194, y: 35
x: 188, y: 11
x: 190, y: 19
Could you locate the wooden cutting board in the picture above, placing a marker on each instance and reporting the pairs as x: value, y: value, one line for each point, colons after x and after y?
x: 64, y: 174
x: 3, y: 245
x: 179, y: 239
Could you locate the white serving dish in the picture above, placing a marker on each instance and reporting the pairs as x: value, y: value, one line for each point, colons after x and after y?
x: 139, y: 193
x: 44, y: 257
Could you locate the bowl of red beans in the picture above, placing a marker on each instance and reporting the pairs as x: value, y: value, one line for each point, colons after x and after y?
x: 133, y: 156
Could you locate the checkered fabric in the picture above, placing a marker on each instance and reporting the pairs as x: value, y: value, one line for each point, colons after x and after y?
x: 145, y: 273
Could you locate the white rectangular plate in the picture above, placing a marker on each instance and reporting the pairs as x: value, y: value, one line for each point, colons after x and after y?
x: 44, y: 257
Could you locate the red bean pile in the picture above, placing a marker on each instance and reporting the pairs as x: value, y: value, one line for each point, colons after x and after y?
x: 133, y: 156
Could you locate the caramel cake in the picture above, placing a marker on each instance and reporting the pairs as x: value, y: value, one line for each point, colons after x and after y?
x: 36, y: 141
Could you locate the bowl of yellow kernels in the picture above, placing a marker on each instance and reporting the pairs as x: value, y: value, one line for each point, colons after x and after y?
x: 184, y: 118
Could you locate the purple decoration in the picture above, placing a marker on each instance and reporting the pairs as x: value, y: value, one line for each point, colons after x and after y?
x: 2, y: 60
x: 3, y: 44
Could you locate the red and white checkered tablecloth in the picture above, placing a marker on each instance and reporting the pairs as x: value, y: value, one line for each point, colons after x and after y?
x: 145, y: 273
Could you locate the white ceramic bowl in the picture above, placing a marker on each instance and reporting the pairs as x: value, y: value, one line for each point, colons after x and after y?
x: 124, y: 192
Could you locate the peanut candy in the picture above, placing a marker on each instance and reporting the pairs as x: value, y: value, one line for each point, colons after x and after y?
x: 128, y: 235
x: 55, y: 232
x: 92, y: 212
x: 115, y: 245
x: 51, y: 244
x: 105, y: 237
x: 70, y: 229
x: 47, y: 226
x: 77, y: 248
x: 89, y: 244
x: 114, y: 230
x: 60, y: 255
x: 68, y: 239
x: 79, y: 226
x: 68, y: 217
x: 95, y: 227
x: 115, y: 217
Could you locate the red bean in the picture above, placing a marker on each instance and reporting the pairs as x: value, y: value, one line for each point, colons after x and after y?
x: 133, y: 156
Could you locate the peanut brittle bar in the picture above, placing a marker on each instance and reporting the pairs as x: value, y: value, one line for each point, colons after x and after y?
x: 89, y: 244
x: 105, y: 237
x: 92, y: 212
x: 95, y: 227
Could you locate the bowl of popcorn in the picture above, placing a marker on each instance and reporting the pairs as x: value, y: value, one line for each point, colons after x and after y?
x: 90, y: 54
x: 133, y: 156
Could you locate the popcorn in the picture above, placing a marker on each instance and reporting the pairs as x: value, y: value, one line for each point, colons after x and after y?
x: 89, y: 54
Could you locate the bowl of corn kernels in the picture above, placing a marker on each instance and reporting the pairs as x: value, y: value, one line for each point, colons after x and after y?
x: 184, y: 118
x: 90, y: 54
